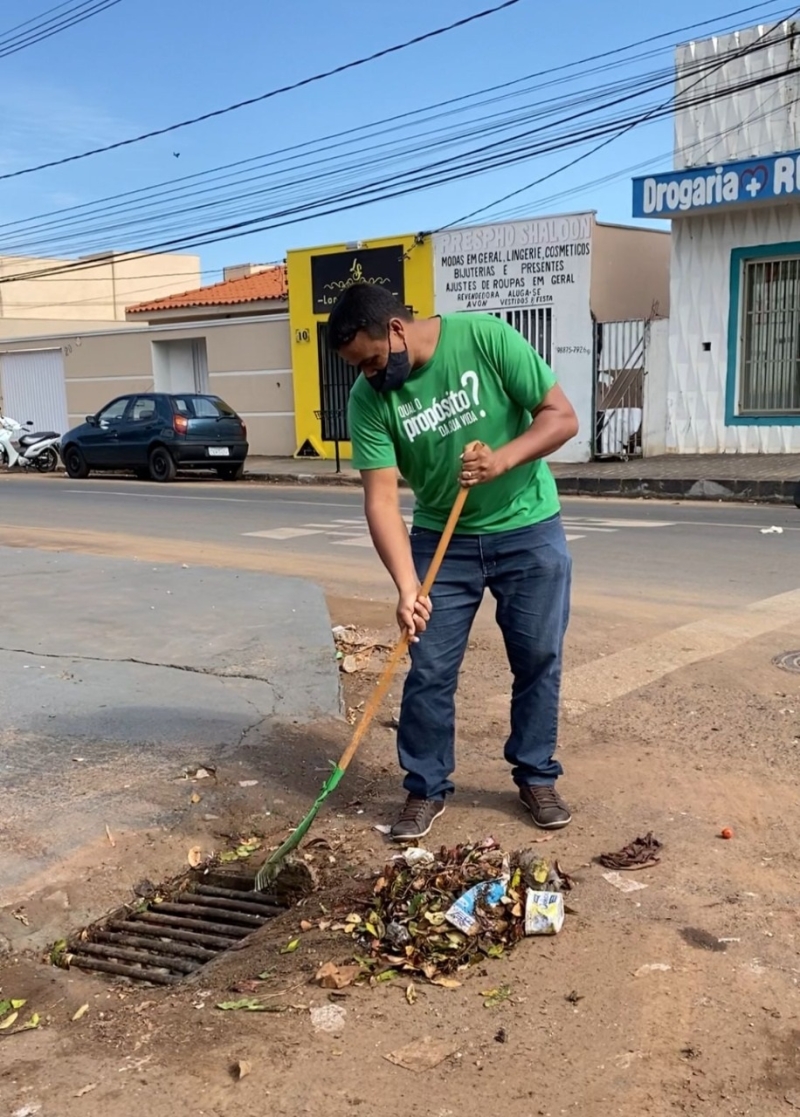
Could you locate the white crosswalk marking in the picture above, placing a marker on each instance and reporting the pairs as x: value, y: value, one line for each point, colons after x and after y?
x: 282, y: 533
x: 352, y: 531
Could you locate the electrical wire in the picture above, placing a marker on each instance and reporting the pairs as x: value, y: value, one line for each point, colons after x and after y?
x: 465, y: 165
x: 386, y: 125
x: 385, y: 52
x: 668, y: 104
x: 386, y: 189
x: 39, y: 29
x: 81, y: 222
x: 524, y: 210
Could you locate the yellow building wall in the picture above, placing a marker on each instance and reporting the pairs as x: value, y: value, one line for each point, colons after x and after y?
x: 418, y: 282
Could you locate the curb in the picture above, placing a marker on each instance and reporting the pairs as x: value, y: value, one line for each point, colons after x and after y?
x: 668, y: 488
x: 674, y: 488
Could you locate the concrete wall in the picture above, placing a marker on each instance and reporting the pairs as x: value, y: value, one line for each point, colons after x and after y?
x: 656, y: 388
x: 248, y: 365
x: 700, y: 317
x: 630, y: 273
x: 734, y: 121
x: 96, y: 292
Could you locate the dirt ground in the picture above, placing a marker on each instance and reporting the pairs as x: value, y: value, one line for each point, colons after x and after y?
x: 626, y: 1012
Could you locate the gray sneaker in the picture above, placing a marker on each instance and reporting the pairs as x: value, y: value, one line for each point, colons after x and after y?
x: 416, y: 819
x: 548, y: 809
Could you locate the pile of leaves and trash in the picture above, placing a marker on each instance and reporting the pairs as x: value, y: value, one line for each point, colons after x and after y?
x: 355, y: 647
x: 436, y: 915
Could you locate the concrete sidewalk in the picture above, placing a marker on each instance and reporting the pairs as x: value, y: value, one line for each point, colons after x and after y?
x: 761, y: 478
x: 116, y: 675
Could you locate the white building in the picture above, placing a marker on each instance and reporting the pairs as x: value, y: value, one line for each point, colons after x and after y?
x: 732, y: 381
x: 580, y: 291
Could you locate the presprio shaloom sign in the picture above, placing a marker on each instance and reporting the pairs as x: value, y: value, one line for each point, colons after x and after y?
x: 540, y: 262
x: 333, y: 273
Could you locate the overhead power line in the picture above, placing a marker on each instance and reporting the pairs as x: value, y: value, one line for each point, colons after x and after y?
x: 175, y: 208
x: 391, y: 186
x: 676, y: 100
x: 37, y: 29
x: 384, y: 53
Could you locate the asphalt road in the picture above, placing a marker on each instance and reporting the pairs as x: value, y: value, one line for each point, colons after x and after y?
x: 661, y: 550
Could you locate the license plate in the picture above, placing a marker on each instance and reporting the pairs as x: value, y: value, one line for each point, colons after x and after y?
x: 219, y: 452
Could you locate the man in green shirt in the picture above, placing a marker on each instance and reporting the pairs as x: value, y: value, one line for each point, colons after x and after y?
x: 428, y: 389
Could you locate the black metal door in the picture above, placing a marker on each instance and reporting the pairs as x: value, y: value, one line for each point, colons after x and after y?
x: 336, y: 378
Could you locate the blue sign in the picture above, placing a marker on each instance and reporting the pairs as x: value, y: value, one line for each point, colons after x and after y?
x: 699, y: 189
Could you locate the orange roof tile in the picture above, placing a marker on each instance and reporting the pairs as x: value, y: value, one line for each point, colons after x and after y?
x: 269, y: 284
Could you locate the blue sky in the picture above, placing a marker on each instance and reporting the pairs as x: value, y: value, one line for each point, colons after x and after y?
x: 147, y: 63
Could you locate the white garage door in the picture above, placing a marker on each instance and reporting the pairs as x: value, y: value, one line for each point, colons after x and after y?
x: 32, y: 387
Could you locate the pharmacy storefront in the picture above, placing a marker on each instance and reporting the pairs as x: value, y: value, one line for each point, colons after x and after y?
x: 734, y: 371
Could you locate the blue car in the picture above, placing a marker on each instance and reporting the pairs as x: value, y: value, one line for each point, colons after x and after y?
x: 153, y: 435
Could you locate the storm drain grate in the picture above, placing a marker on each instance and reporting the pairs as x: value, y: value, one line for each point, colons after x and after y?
x: 788, y: 661
x: 167, y: 941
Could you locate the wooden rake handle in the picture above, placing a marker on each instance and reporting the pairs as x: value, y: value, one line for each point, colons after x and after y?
x: 398, y: 651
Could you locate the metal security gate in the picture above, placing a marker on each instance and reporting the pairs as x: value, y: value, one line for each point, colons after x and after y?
x: 620, y: 349
x: 536, y: 326
x: 32, y: 387
x: 336, y: 379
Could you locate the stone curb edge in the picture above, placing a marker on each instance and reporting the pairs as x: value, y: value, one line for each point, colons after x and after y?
x: 667, y: 488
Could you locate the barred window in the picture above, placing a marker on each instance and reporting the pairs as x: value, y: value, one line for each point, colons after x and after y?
x: 536, y: 326
x: 769, y: 381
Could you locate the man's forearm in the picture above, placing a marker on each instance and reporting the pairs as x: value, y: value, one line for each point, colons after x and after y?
x: 548, y: 432
x: 390, y: 536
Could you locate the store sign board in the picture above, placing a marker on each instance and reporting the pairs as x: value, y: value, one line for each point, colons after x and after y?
x: 332, y: 273
x: 700, y: 189
x: 540, y: 262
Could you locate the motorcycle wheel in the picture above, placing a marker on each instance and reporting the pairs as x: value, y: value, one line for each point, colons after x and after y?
x: 47, y: 461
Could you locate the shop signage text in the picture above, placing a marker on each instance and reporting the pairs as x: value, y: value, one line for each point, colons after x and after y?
x: 699, y: 189
x: 503, y: 267
x: 333, y: 273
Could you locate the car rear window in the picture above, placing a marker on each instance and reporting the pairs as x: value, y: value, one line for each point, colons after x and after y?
x: 203, y: 407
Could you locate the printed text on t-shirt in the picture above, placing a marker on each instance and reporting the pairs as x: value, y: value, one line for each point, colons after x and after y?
x: 447, y: 415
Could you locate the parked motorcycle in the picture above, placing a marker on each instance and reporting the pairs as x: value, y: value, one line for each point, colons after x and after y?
x: 22, y: 448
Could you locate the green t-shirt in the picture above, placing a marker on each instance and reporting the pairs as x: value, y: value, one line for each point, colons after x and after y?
x: 482, y: 383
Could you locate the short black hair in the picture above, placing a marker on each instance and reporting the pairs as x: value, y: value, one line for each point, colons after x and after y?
x: 364, y: 306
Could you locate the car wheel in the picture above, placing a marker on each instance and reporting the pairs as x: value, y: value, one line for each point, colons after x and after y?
x: 75, y: 463
x: 162, y: 465
x: 47, y: 461
x: 797, y: 495
x: 230, y: 472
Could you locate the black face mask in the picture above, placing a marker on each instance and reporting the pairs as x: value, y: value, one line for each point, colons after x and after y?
x: 394, y: 376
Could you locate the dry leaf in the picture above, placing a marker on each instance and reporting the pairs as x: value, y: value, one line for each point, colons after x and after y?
x: 305, y: 925
x: 81, y: 1012
x: 195, y: 856
x: 243, y: 1068
x: 7, y: 1021
x: 86, y: 1089
x: 411, y: 995
x: 195, y: 798
x: 22, y: 917
x: 331, y: 976
x: 290, y: 947
x: 446, y: 982
x: 248, y: 783
x: 422, y: 1054
x: 110, y: 836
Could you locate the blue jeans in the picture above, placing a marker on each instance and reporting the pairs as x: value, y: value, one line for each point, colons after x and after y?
x: 528, y: 572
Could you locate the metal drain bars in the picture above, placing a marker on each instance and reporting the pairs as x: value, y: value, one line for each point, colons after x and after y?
x: 169, y: 940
